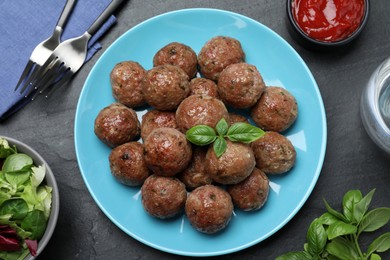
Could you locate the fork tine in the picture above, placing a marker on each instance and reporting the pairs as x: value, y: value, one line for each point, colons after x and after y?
x: 31, y: 77
x: 43, y: 76
x: 25, y: 72
x: 60, y: 83
x: 50, y: 80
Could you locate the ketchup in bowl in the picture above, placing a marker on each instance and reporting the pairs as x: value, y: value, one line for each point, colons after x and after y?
x: 328, y: 20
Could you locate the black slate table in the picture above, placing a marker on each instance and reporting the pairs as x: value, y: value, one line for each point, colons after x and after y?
x: 352, y: 160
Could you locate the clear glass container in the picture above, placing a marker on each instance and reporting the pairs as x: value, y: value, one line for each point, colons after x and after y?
x: 375, y: 106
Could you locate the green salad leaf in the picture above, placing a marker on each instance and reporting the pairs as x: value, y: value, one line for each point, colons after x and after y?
x: 25, y: 202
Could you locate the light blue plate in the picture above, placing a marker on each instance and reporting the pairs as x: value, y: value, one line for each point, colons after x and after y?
x: 278, y: 63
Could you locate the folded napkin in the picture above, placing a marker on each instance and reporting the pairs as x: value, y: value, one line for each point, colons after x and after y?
x: 24, y: 24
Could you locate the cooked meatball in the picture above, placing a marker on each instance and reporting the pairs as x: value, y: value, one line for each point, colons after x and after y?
x: 233, y: 166
x: 203, y: 87
x: 127, y: 164
x: 251, y: 193
x: 274, y: 153
x: 155, y: 119
x: 276, y: 110
x: 165, y: 86
x: 236, y: 118
x: 240, y: 85
x: 167, y: 151
x: 195, y: 174
x: 200, y: 110
x: 163, y: 197
x: 209, y: 208
x: 126, y: 83
x: 217, y: 54
x: 177, y: 54
x: 117, y: 124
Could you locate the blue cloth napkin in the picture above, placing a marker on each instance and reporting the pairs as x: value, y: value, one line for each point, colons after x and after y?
x: 24, y: 24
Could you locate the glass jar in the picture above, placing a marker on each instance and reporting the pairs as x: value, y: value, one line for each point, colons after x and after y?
x: 375, y: 106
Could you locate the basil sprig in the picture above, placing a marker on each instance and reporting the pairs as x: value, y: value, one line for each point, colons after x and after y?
x: 239, y: 132
x: 335, y: 235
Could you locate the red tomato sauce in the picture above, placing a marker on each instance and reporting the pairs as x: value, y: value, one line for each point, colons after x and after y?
x: 328, y: 20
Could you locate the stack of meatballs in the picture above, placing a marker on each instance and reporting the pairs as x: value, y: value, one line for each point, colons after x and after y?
x: 176, y: 176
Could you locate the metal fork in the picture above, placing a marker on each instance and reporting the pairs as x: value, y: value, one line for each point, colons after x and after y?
x: 69, y: 56
x: 44, y: 49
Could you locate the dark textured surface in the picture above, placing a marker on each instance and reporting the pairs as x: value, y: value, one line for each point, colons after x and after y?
x: 352, y: 160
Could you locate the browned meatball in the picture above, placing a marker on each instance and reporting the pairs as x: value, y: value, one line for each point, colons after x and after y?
x: 167, y: 151
x: 274, y: 153
x: 203, y: 87
x: 276, y: 110
x: 163, y: 197
x: 117, y: 124
x: 240, y: 85
x: 236, y: 118
x: 177, y: 54
x: 126, y: 82
x: 209, y: 209
x: 251, y: 193
x: 233, y: 166
x: 127, y: 164
x: 217, y: 54
x: 165, y: 86
x: 200, y: 110
x: 195, y: 174
x: 155, y: 119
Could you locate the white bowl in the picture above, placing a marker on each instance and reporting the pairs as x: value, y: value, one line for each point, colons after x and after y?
x: 50, y: 181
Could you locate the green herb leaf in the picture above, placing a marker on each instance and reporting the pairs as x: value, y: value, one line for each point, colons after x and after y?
x: 220, y: 146
x: 243, y: 132
x: 374, y: 220
x: 328, y: 219
x: 222, y: 127
x: 301, y: 255
x: 342, y: 249
x: 316, y: 238
x: 375, y: 257
x: 334, y: 212
x: 381, y: 244
x: 349, y: 200
x: 201, y: 135
x: 340, y: 229
x: 362, y: 206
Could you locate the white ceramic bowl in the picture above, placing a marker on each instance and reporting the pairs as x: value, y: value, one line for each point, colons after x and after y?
x: 50, y: 181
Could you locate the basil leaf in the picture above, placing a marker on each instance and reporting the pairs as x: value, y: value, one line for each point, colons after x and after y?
x: 222, y: 127
x: 349, y: 200
x: 201, y: 135
x: 374, y: 220
x: 316, y: 238
x: 342, y: 248
x: 375, y: 257
x: 328, y: 219
x: 243, y: 132
x: 219, y: 146
x: 301, y: 255
x: 381, y: 244
x: 362, y: 206
x: 340, y: 229
x: 334, y: 212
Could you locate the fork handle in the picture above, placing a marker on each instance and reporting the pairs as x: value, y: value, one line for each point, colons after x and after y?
x: 65, y: 13
x: 104, y: 16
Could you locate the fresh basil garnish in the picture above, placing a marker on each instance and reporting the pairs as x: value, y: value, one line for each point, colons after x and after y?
x: 238, y: 132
